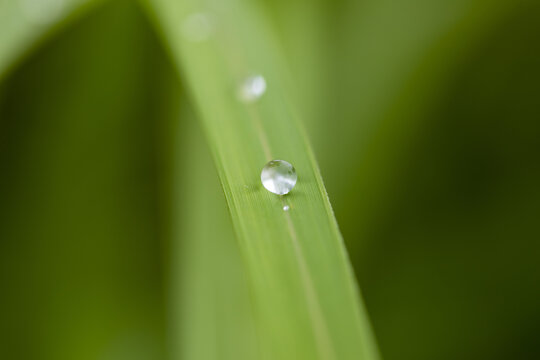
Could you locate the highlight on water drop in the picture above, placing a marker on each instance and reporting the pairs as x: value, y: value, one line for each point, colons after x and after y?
x: 252, y: 88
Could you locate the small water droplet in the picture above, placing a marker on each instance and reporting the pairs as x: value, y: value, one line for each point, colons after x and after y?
x: 286, y: 208
x: 279, y: 177
x: 252, y: 88
x: 197, y: 27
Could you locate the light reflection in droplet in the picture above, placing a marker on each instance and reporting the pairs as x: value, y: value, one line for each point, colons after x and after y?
x: 286, y: 208
x: 252, y: 88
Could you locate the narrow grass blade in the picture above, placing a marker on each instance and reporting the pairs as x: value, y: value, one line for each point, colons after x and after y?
x: 211, y: 310
x: 306, y: 302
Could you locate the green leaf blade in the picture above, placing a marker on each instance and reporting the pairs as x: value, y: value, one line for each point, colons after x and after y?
x: 306, y: 302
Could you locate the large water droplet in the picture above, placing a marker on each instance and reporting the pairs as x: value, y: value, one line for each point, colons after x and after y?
x: 252, y: 88
x: 279, y: 177
x: 197, y: 27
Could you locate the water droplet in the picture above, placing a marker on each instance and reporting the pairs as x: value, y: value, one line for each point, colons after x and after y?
x: 279, y: 177
x: 197, y: 27
x: 41, y: 12
x: 252, y: 88
x: 286, y: 208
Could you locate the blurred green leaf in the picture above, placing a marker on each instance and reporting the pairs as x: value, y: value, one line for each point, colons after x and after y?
x: 81, y: 239
x: 23, y: 23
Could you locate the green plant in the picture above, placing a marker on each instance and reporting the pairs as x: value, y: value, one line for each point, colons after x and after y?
x: 305, y: 298
x: 120, y: 240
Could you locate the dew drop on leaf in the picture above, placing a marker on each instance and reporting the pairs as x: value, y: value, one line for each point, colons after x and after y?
x: 278, y: 177
x: 252, y: 88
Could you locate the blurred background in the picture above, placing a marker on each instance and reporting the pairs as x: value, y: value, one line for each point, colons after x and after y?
x: 115, y: 241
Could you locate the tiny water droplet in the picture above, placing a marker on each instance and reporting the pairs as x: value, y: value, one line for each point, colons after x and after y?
x: 279, y: 177
x: 286, y: 208
x: 197, y: 27
x: 252, y: 88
